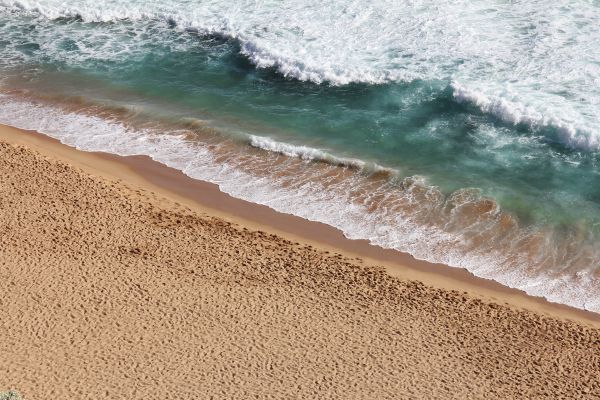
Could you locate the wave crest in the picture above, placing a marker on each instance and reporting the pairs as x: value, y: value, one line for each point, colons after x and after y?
x: 313, y: 154
x: 572, y: 135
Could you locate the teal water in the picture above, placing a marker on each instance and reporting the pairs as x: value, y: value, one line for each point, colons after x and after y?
x: 487, y: 183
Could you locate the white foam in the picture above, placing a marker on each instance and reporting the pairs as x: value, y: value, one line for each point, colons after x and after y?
x: 312, y: 154
x: 569, y: 134
x: 533, y: 62
x: 388, y: 227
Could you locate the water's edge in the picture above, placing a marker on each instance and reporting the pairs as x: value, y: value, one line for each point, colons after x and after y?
x: 199, y: 163
x: 171, y: 181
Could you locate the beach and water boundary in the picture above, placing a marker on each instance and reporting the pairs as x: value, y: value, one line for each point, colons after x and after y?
x: 461, y: 229
x: 135, y: 288
x: 207, y: 197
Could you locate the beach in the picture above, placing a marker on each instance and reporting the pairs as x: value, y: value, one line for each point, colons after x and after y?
x: 122, y: 284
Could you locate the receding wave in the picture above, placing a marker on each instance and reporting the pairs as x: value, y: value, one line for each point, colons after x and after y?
x: 461, y: 229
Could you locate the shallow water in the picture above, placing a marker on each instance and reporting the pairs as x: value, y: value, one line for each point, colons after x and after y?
x: 461, y: 132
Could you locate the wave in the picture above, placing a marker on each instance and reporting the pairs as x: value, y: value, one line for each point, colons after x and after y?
x: 571, y: 135
x: 261, y: 44
x: 313, y: 154
x: 462, y: 229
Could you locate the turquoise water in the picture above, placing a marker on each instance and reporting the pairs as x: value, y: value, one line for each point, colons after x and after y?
x: 474, y: 156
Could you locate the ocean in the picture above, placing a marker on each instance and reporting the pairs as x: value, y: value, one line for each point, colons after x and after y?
x: 461, y: 132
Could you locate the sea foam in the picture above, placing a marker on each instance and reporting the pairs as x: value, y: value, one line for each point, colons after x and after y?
x: 312, y: 154
x: 571, y: 134
x: 529, y: 64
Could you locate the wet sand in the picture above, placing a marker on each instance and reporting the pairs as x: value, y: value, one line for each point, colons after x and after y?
x: 122, y: 278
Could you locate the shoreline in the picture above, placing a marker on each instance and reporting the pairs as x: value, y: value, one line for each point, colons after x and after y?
x: 117, y: 286
x: 205, y: 197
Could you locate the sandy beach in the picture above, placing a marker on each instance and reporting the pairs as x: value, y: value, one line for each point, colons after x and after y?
x: 121, y: 278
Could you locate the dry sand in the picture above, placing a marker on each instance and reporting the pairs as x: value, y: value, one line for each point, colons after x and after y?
x: 112, y: 289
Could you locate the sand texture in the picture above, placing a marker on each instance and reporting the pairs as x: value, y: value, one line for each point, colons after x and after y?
x: 108, y: 291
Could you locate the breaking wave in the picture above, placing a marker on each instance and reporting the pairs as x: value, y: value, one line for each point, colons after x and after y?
x: 569, y: 134
x: 313, y: 154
